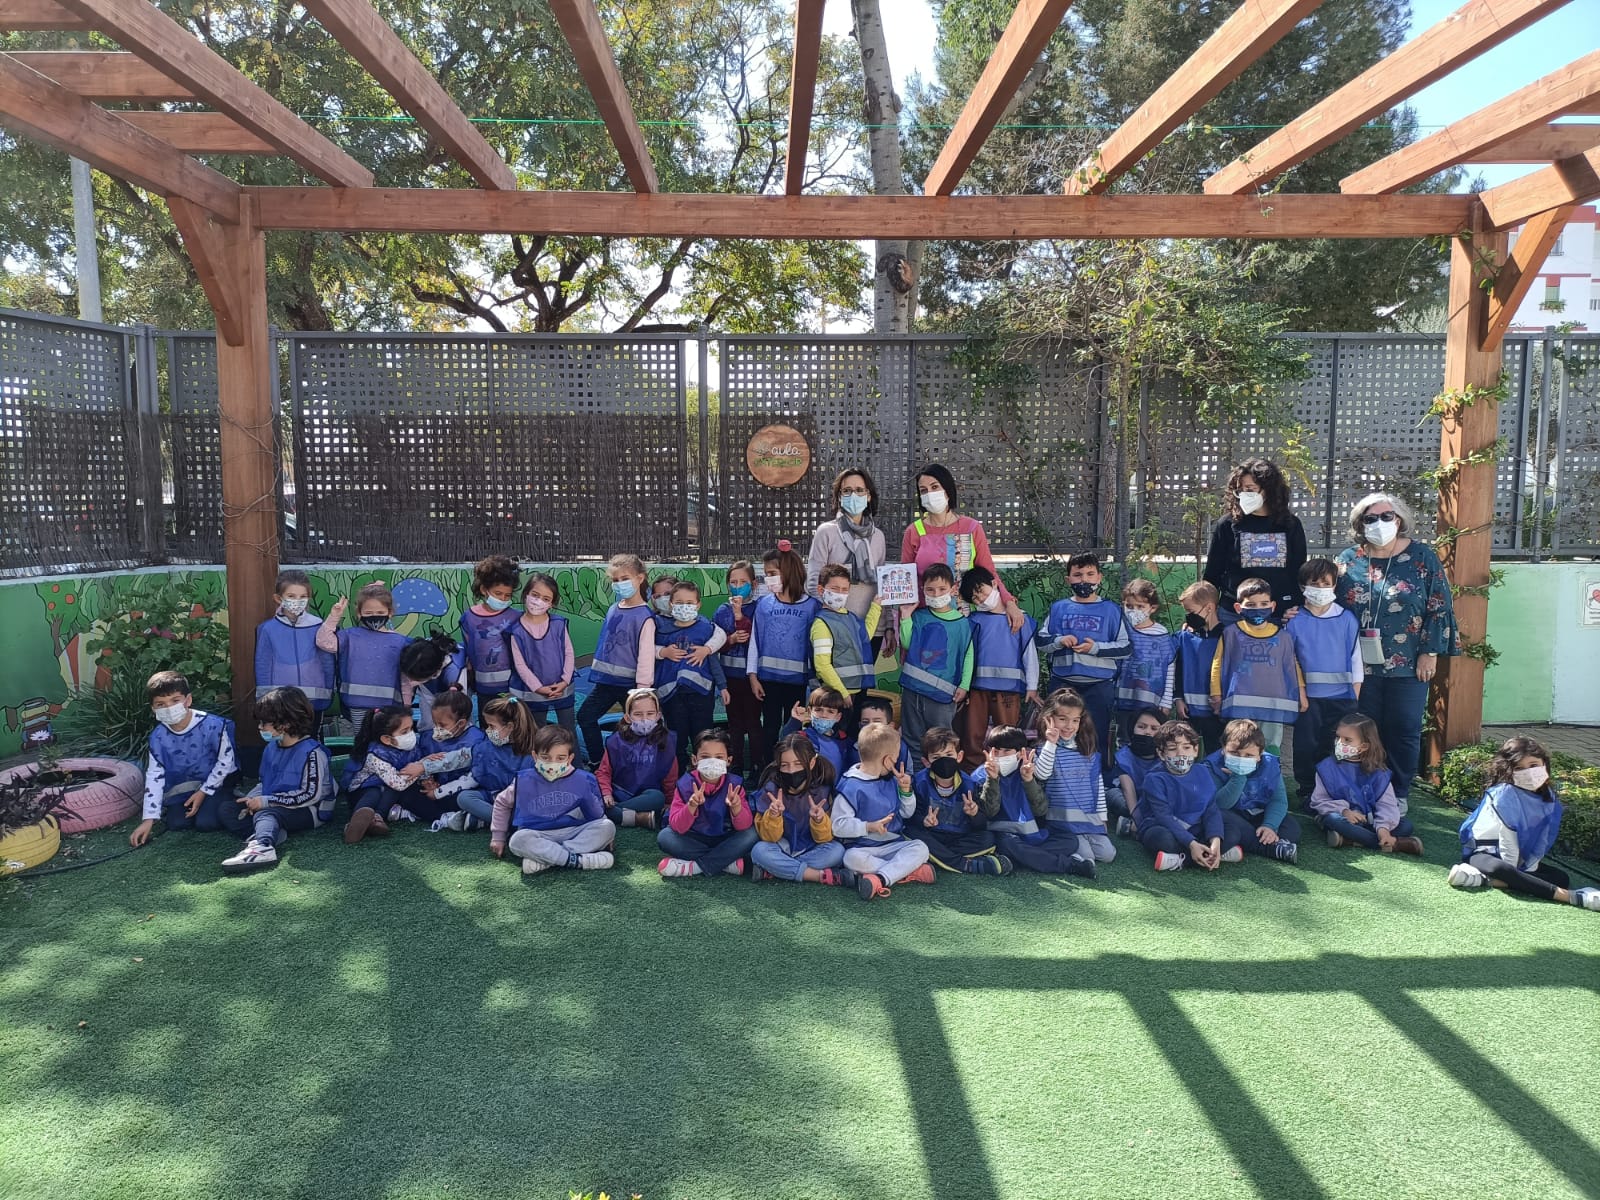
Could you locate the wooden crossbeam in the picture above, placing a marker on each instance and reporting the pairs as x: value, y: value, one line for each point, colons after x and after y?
x: 199, y: 132
x: 864, y: 218
x: 1547, y: 143
x: 103, y: 74
x: 1520, y: 270
x: 1254, y: 27
x: 1430, y: 56
x: 1019, y: 47
x: 371, y: 42
x: 580, y: 23
x: 802, y: 91
x: 1574, y: 180
x: 163, y: 43
x: 43, y: 110
x: 1524, y: 109
x: 22, y: 16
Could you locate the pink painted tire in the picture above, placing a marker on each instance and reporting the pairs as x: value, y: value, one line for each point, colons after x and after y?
x: 115, y: 794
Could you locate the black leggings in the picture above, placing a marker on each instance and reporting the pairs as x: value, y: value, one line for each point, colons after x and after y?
x: 1542, y: 882
x: 779, y: 699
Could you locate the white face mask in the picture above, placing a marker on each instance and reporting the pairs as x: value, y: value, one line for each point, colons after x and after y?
x: 498, y: 737
x: 1009, y: 763
x: 835, y: 601
x: 1136, y: 616
x: 991, y: 602
x: 406, y: 740
x: 937, y: 602
x: 711, y: 769
x: 172, y: 714
x: 684, y: 612
x: 1317, y: 597
x: 536, y: 605
x: 1346, y: 751
x: 1381, y: 533
x: 1251, y: 502
x: 293, y: 608
x: 1530, y: 779
x: 935, y: 501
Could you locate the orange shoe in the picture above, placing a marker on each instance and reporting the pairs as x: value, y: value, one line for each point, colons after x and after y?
x: 923, y: 874
x: 871, y: 887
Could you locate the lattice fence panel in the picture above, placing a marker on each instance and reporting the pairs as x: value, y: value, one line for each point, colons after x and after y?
x: 447, y: 448
x: 1577, y: 523
x: 192, y: 449
x: 1515, y: 426
x: 67, y: 458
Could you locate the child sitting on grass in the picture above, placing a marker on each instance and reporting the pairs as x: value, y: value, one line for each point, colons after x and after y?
x: 792, y: 819
x: 552, y: 816
x: 710, y: 827
x: 639, y: 768
x: 821, y: 721
x: 1179, y: 821
x: 1251, y: 795
x: 1354, y: 800
x: 1068, y: 765
x: 947, y: 817
x: 385, y: 765
x: 1014, y: 802
x: 190, y: 774
x: 296, y: 793
x: 1133, y: 762
x: 507, y: 748
x: 870, y: 807
x: 449, y: 748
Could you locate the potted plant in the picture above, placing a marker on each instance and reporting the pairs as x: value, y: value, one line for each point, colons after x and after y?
x: 94, y: 792
x: 29, y: 831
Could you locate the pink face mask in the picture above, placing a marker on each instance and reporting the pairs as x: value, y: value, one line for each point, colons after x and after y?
x: 536, y: 605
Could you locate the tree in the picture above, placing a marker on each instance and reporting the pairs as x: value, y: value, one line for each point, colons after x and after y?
x: 892, y: 270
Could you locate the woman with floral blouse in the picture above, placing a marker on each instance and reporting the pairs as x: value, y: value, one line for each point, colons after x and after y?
x: 1398, y: 589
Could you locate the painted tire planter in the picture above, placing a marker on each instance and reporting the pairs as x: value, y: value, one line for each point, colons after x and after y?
x: 29, y: 846
x: 105, y: 791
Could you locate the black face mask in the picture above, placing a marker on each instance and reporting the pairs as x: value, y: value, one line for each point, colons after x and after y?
x: 374, y: 622
x: 1082, y: 590
x: 1143, y: 745
x: 945, y: 766
x: 1196, y: 622
x: 793, y: 781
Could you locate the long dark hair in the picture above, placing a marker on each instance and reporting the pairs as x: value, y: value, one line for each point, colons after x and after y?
x: 657, y: 737
x: 1511, y: 752
x: 819, y: 771
x: 946, y: 480
x: 1274, y: 490
x: 379, y: 723
x: 424, y: 657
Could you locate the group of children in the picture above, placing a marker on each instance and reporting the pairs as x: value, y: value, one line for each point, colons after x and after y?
x: 988, y: 771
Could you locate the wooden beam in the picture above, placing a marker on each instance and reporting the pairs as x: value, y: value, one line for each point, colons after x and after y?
x: 802, y: 91
x: 199, y: 132
x: 103, y: 74
x: 1547, y: 143
x: 1518, y: 273
x: 1573, y: 180
x: 1026, y: 34
x: 587, y: 36
x: 44, y: 111
x: 867, y: 218
x: 1430, y: 56
x: 172, y: 49
x: 372, y: 43
x: 1524, y: 109
x: 1253, y: 28
x: 23, y: 16
x: 1466, y: 498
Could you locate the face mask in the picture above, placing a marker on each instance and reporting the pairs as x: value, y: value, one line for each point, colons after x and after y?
x: 536, y: 605
x: 1257, y: 616
x: 937, y: 602
x: 856, y: 505
x: 497, y: 737
x: 771, y: 584
x: 374, y: 622
x: 1195, y: 622
x: 835, y: 601
x: 741, y: 591
x: 793, y: 781
x: 1178, y: 764
x: 1250, y: 502
x: 1530, y: 779
x: 1009, y: 763
x: 271, y: 735
x: 441, y: 734
x: 935, y: 502
x: 711, y: 769
x: 293, y: 608
x: 662, y: 604
x: 991, y: 602
x: 1143, y: 745
x: 172, y: 714
x: 495, y: 604
x: 1381, y: 533
x: 1083, y: 590
x: 551, y: 770
x: 684, y: 612
x: 1238, y: 764
x: 644, y: 725
x: 1345, y: 752
x: 624, y: 589
x: 824, y: 724
x: 406, y: 740
x: 945, y: 766
x: 1317, y: 597
x: 1136, y: 616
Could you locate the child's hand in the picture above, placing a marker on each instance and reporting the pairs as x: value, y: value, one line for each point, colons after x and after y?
x: 932, y: 818
x: 819, y: 811
x: 1086, y: 646
x: 1304, y: 703
x: 739, y: 637
x: 902, y: 780
x: 1215, y: 852
x: 961, y: 694
x: 339, y: 605
x: 433, y: 760
x: 412, y: 770
x: 1385, y: 840
x: 800, y: 713
x: 969, y: 805
x: 1351, y: 814
x: 991, y: 763
x: 879, y: 826
x: 1067, y: 641
x: 696, y: 798
x: 1180, y: 710
x: 1031, y: 698
x: 735, y: 798
x: 141, y: 832
x: 1051, y: 733
x: 498, y: 849
x: 672, y: 653
x: 1027, y: 766
x: 756, y: 690
x: 1266, y: 836
x: 1198, y: 852
x: 699, y: 655
x: 777, y: 805
x: 193, y: 803
x: 254, y: 803
x: 726, y: 697
x: 552, y: 690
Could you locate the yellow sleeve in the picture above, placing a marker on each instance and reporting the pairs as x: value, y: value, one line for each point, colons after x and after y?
x: 874, y: 615
x: 822, y: 827
x: 1216, y: 673
x: 769, y: 826
x: 822, y: 656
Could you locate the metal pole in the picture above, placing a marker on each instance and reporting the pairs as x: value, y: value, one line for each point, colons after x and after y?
x: 84, y: 239
x: 1540, y: 438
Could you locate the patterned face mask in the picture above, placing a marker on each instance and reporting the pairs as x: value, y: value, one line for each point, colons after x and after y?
x: 1178, y: 764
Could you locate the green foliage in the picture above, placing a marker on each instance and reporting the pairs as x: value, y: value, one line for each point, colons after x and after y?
x: 1464, y: 777
x: 24, y: 802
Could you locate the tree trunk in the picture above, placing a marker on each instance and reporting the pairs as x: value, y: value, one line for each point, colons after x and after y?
x: 891, y: 307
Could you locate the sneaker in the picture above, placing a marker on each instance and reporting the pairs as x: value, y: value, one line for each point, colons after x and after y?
x: 1465, y: 875
x: 1125, y: 827
x: 1408, y: 845
x: 1334, y: 840
x: 872, y: 887
x: 677, y: 868
x: 1587, y: 897
x: 1082, y: 867
x: 1005, y: 864
x: 1170, y: 862
x: 380, y: 827
x: 532, y: 866
x: 1233, y: 854
x: 599, y: 860
x: 472, y: 823
x: 838, y: 877
x: 361, y: 822
x: 983, y: 864
x: 254, y: 855
x: 736, y: 867
x: 1288, y: 852
x: 454, y: 822
x: 643, y: 820
x: 923, y: 874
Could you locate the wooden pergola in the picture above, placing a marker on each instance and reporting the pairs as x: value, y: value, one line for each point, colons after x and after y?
x: 53, y: 97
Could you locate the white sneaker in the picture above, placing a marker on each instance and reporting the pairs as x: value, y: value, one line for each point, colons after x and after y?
x: 1465, y: 875
x: 532, y: 866
x: 1125, y: 827
x: 396, y: 813
x: 1170, y: 862
x: 1587, y: 897
x: 1233, y: 854
x: 452, y: 821
x: 253, y: 856
x: 677, y: 868
x: 599, y: 860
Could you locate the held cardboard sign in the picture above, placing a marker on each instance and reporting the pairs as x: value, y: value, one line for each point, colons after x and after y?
x: 897, y: 584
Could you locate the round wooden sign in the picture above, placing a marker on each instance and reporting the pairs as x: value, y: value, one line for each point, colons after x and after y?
x: 778, y: 456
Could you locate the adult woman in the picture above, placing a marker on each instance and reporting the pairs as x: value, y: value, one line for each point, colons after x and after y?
x: 852, y: 538
x: 1398, y: 589
x: 941, y: 535
x: 1257, y: 537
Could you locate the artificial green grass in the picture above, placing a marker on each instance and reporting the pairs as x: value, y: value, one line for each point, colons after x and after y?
x: 412, y: 1018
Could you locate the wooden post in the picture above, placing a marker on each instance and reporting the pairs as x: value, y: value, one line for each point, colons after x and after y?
x: 1466, y: 500
x: 230, y: 260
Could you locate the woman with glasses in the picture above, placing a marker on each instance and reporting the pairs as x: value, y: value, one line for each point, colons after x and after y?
x: 852, y: 538
x: 1398, y: 589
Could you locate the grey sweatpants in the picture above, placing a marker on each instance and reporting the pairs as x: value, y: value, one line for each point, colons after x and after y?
x: 891, y: 860
x: 918, y: 714
x: 553, y: 845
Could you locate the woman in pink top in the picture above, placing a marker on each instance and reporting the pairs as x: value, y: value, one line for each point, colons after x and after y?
x: 940, y: 535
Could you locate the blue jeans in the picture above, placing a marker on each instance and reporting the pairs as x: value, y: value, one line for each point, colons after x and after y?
x: 713, y: 854
x: 1241, y: 830
x: 1361, y: 835
x: 479, y: 803
x: 649, y: 800
x: 775, y: 859
x: 380, y: 796
x: 1396, y: 703
x: 221, y: 811
x: 270, y: 826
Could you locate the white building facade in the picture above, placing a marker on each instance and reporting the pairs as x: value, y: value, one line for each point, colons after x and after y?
x: 1567, y: 291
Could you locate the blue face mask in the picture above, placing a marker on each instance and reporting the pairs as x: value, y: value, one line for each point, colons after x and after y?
x: 268, y: 735
x: 741, y: 591
x: 1257, y: 616
x: 824, y: 724
x: 1238, y: 764
x: 854, y: 505
x: 623, y: 589
x: 495, y: 604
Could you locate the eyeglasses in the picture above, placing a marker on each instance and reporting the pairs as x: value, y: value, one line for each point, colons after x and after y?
x: 1374, y: 518
x: 854, y: 491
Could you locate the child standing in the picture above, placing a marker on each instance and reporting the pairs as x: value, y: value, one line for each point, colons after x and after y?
x: 1086, y: 639
x: 1250, y: 793
x: 1145, y: 679
x: 1354, y: 800
x: 639, y: 768
x: 385, y: 764
x: 625, y: 654
x: 821, y: 721
x: 286, y: 645
x: 551, y: 816
x: 936, y: 672
x: 870, y: 807
x: 368, y: 654
x: 507, y: 748
x: 1505, y: 839
x: 1179, y: 820
x: 486, y: 625
x: 1014, y: 802
x: 710, y: 828
x: 947, y: 818
x: 792, y: 819
x: 542, y: 661
x: 1257, y: 676
x: 1069, y: 767
x: 780, y: 639
x: 1133, y: 762
x: 190, y: 774
x: 1005, y: 665
x: 429, y: 667
x: 841, y: 642
x: 1325, y: 638
x: 661, y: 595
x: 297, y: 792
x: 689, y: 674
x: 743, y: 709
x: 1199, y: 646
x: 449, y: 750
